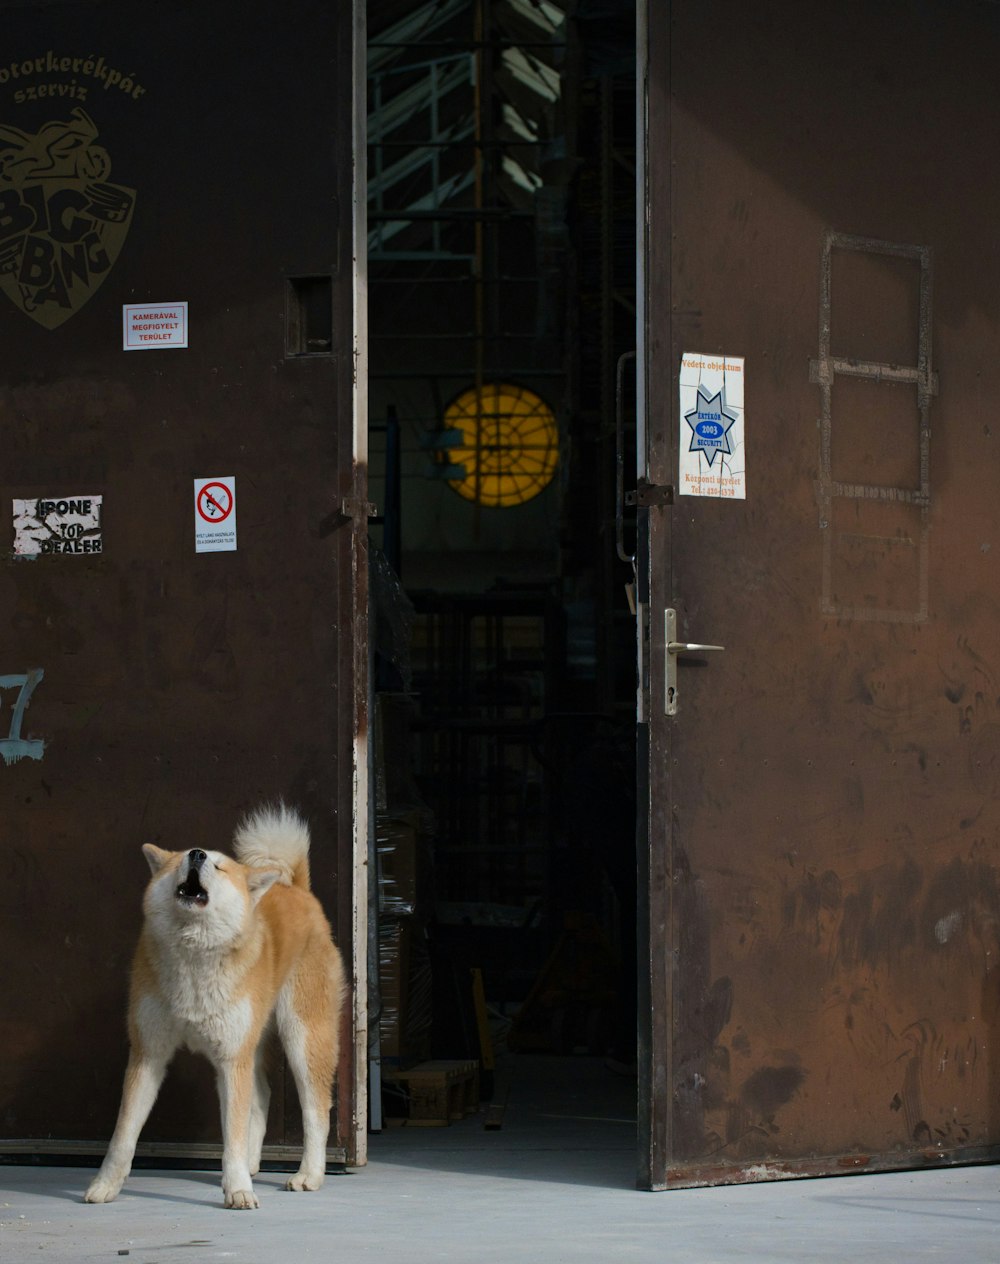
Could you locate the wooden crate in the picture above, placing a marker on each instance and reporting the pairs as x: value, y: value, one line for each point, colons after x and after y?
x: 436, y: 1093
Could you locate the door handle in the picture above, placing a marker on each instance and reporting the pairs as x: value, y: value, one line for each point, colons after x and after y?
x: 673, y: 649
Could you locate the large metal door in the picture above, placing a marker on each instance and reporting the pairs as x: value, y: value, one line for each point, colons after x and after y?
x: 823, y: 816
x: 193, y: 161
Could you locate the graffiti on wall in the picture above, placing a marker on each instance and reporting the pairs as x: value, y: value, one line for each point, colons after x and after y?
x: 14, y: 747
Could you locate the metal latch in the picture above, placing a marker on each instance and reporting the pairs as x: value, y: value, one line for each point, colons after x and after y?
x: 647, y: 493
x: 673, y: 648
x: 352, y: 509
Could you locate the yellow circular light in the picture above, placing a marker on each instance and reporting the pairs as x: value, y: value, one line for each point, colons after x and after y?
x: 509, y: 445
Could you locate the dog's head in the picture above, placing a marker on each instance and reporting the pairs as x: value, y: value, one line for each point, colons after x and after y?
x: 204, y: 897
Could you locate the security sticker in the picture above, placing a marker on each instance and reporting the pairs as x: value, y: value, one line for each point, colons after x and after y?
x: 712, y: 453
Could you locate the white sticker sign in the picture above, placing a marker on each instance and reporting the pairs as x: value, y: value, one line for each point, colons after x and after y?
x: 58, y: 524
x: 154, y: 326
x: 712, y: 448
x: 215, y: 515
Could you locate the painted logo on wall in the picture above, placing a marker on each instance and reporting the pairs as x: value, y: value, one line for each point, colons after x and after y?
x: 62, y: 221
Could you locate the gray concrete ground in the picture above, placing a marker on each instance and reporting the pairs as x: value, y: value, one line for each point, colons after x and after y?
x: 554, y: 1184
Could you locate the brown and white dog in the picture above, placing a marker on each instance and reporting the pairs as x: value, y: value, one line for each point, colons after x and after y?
x: 229, y: 950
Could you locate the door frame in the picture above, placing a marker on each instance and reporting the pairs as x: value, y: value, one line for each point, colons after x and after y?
x: 655, y: 920
x: 358, y: 510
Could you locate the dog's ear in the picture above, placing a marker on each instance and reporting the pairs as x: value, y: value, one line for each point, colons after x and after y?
x: 259, y: 881
x: 156, y: 857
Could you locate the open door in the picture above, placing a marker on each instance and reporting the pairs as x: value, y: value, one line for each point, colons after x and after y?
x: 183, y: 596
x: 822, y: 811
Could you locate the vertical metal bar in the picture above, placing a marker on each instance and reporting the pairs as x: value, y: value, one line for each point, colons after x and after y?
x: 604, y: 636
x: 607, y: 247
x: 825, y: 377
x: 641, y: 227
x: 620, y: 459
x: 358, y: 1142
x: 379, y: 160
x: 654, y: 840
x: 392, y: 531
x: 924, y: 389
x: 374, y: 990
x: 435, y: 153
x: 924, y: 393
x: 477, y: 269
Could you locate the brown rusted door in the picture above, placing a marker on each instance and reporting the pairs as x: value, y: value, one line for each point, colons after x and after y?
x: 823, y: 815
x: 194, y: 162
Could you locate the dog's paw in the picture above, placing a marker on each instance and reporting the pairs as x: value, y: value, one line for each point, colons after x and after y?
x: 305, y: 1180
x: 242, y: 1200
x: 102, y: 1190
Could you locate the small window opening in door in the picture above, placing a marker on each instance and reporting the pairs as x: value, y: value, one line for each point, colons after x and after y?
x: 309, y: 316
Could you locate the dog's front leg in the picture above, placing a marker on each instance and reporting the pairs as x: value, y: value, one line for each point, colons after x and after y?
x: 143, y: 1078
x: 258, y: 1110
x: 235, y: 1097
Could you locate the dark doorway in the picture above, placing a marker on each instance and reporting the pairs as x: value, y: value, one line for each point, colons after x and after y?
x: 502, y: 293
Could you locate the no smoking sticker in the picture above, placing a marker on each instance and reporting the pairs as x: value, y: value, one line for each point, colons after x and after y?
x: 215, y: 515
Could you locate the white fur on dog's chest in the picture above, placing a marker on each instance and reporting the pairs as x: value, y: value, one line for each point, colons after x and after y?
x: 205, y: 1012
x: 221, y: 1034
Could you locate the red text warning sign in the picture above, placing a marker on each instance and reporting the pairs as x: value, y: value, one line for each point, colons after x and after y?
x: 153, y: 326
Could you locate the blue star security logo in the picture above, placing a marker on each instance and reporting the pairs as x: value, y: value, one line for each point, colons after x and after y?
x: 710, y: 424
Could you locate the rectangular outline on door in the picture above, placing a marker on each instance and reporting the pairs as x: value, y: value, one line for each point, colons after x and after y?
x: 823, y: 371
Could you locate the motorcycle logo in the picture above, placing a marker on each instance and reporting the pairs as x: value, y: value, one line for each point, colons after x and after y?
x: 62, y: 224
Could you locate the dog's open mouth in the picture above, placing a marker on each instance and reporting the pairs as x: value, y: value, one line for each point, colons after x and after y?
x: 191, y: 891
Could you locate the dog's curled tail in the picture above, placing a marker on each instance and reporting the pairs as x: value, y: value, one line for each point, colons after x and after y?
x: 275, y: 837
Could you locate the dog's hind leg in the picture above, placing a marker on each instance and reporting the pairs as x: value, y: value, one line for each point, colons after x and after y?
x: 308, y: 1020
x: 313, y: 1070
x: 143, y: 1078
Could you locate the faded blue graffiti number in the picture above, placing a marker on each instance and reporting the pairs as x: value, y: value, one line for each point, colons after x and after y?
x: 14, y: 747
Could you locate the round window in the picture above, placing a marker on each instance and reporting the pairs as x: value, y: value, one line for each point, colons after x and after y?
x: 509, y: 444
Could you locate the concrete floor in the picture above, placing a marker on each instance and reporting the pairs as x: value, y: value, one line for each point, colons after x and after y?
x: 554, y: 1184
